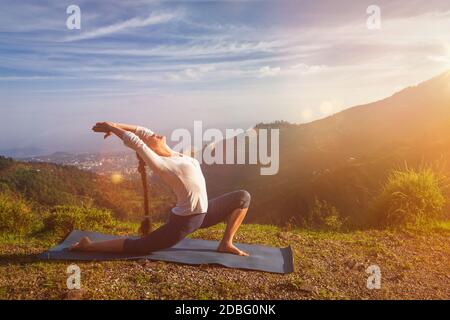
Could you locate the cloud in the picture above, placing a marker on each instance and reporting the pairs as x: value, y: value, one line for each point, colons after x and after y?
x: 308, y: 69
x: 216, y: 48
x: 193, y: 73
x: 268, y: 71
x: 439, y: 59
x: 295, y: 70
x: 133, y: 23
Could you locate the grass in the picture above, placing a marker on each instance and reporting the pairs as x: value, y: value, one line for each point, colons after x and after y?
x: 329, y: 265
x: 443, y: 225
x: 410, y: 197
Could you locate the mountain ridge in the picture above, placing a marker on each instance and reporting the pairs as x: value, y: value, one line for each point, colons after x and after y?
x: 344, y: 158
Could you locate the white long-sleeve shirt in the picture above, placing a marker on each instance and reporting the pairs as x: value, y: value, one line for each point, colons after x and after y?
x: 181, y: 172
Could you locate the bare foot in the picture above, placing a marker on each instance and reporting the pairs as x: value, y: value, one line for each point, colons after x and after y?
x: 230, y: 248
x: 81, y: 245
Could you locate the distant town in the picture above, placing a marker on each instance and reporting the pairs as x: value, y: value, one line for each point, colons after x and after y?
x: 124, y: 163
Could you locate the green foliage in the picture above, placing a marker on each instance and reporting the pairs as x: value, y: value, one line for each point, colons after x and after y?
x: 63, y: 219
x: 16, y: 217
x: 5, y: 163
x: 323, y: 215
x: 278, y: 124
x: 46, y: 185
x: 409, y: 197
x: 334, y: 221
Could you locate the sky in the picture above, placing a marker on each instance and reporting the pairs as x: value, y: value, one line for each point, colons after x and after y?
x: 230, y: 64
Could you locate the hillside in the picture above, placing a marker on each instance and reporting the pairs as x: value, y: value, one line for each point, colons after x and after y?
x: 345, y: 158
x: 46, y: 185
x: 328, y: 265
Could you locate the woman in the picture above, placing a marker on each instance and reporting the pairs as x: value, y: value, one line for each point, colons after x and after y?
x: 193, y: 210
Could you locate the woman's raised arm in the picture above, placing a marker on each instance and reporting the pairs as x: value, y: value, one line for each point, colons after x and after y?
x: 108, y: 128
x: 140, y: 131
x: 134, y: 142
x: 126, y: 127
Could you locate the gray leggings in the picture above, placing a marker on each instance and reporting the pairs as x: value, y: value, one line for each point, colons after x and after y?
x: 178, y: 227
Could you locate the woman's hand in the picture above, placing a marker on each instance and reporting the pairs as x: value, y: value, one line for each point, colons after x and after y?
x: 104, y: 127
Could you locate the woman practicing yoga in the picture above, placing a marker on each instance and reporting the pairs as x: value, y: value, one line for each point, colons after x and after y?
x: 193, y: 210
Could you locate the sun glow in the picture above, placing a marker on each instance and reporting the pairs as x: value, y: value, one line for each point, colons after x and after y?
x: 448, y: 55
x: 116, y: 178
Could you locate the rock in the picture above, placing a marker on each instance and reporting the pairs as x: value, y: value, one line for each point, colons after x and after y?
x: 146, y: 264
x: 350, y: 264
x: 359, y: 266
x: 397, y: 278
x: 308, y: 289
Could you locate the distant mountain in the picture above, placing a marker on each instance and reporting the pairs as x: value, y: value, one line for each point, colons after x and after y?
x: 21, y: 152
x: 344, y: 158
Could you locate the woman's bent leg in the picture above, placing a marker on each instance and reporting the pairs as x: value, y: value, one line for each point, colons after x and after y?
x: 233, y: 224
x: 232, y: 208
x: 220, y: 208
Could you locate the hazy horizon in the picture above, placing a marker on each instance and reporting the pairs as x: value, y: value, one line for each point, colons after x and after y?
x: 165, y: 64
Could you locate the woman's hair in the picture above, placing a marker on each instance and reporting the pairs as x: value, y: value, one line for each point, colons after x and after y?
x: 145, y: 227
x: 146, y: 224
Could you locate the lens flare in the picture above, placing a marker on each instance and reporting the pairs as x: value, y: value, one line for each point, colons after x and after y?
x: 116, y: 177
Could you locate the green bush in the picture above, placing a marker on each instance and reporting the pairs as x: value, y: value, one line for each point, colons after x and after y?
x: 323, y: 215
x: 15, y: 214
x: 409, y: 197
x: 67, y: 218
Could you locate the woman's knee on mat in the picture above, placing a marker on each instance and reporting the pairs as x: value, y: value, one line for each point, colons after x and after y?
x: 165, y: 236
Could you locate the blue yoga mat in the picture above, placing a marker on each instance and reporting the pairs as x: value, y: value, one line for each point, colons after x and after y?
x: 188, y: 251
